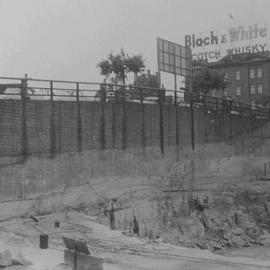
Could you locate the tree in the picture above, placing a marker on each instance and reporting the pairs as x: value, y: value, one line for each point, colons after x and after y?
x: 117, y: 66
x: 207, y: 80
x: 135, y: 64
x: 145, y: 81
x: 105, y: 68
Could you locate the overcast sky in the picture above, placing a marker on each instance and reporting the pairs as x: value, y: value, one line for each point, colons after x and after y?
x: 65, y: 39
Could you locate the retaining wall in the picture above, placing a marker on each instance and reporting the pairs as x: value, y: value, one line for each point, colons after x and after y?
x: 40, y: 127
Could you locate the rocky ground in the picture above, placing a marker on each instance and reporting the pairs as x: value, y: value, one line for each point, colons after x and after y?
x: 231, y: 216
x: 192, y: 209
x: 225, y: 206
x: 238, y: 216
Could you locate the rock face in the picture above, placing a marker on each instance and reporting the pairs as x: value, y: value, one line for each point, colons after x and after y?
x: 5, y: 258
x: 236, y: 217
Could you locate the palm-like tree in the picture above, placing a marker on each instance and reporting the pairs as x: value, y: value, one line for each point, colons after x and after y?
x: 105, y: 68
x: 120, y: 65
x: 135, y: 64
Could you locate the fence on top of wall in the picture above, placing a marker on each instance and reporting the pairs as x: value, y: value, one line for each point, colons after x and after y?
x: 53, y: 116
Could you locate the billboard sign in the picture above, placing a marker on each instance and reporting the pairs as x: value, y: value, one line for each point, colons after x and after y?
x: 173, y: 58
x: 212, y: 46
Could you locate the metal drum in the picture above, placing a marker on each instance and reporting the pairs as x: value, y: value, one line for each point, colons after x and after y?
x: 43, y: 241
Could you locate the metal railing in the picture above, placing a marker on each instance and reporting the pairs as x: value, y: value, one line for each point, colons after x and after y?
x: 28, y: 90
x: 63, y: 90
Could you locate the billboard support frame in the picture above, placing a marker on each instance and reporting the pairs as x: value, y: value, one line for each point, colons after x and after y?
x: 183, y: 56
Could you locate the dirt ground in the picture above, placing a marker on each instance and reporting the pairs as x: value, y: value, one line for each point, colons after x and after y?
x: 118, y: 251
x: 223, y: 180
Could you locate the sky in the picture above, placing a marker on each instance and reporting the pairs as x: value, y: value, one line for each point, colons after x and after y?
x: 65, y: 39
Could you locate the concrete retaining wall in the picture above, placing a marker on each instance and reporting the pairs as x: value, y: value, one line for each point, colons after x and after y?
x: 101, y: 133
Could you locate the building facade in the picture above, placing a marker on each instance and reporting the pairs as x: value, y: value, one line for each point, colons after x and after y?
x: 248, y: 77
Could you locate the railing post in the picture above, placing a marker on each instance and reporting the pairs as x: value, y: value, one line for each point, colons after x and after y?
x: 176, y: 118
x: 239, y: 109
x: 79, y: 119
x: 124, y: 119
x: 102, y: 117
x: 206, y: 121
x: 52, y: 129
x: 224, y: 110
x: 161, y: 128
x: 51, y: 91
x: 217, y: 123
x: 230, y: 120
x: 24, y: 139
x: 250, y: 118
x: 192, y: 121
x: 143, y: 119
x: 102, y: 92
x: 113, y: 104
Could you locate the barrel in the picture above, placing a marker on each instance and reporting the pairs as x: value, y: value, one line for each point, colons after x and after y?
x: 43, y: 241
